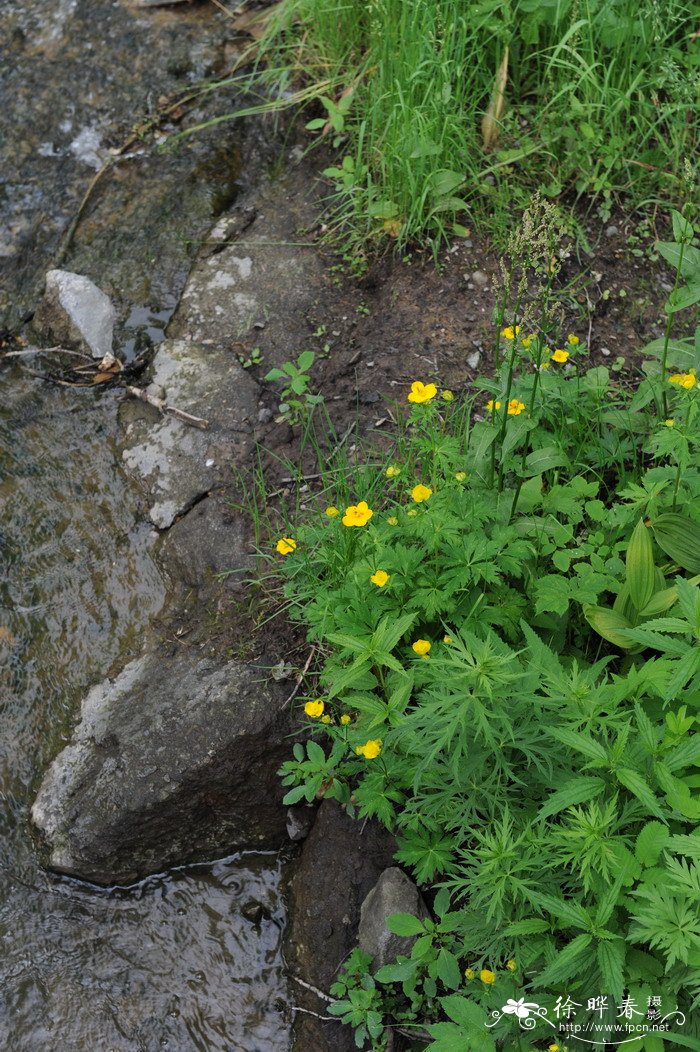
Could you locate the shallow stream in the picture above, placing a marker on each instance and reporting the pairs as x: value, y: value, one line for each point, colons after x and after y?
x: 190, y: 959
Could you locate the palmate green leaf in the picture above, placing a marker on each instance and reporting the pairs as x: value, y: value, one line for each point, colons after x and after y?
x: 647, y: 638
x: 687, y: 754
x: 568, y: 962
x: 552, y: 594
x: 685, y: 844
x: 683, y: 672
x: 582, y: 743
x: 576, y: 791
x: 611, y: 961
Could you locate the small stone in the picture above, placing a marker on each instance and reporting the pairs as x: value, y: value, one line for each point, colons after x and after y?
x: 473, y: 359
x: 299, y: 822
x: 611, y: 231
x: 480, y: 277
x: 605, y: 351
x: 76, y: 314
x: 394, y: 892
x: 265, y: 415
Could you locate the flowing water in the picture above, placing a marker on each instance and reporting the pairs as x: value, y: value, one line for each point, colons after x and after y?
x: 190, y: 959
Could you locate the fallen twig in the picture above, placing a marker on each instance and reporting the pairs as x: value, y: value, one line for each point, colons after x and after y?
x: 307, y: 1011
x: 162, y: 406
x: 313, y: 989
x: 292, y: 696
x: 46, y: 350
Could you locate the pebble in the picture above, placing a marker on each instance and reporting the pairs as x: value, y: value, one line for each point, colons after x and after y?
x: 264, y: 415
x: 473, y: 359
x: 611, y: 230
x: 480, y: 278
x: 606, y: 351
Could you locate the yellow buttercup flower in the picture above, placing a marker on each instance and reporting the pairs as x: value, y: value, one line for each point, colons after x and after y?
x: 573, y: 341
x: 510, y: 332
x: 491, y: 405
x: 515, y: 407
x: 371, y: 749
x: 286, y: 545
x: 448, y: 396
x: 670, y: 422
x: 392, y: 520
x: 527, y: 341
x: 421, y: 493
x: 345, y: 719
x: 560, y: 356
x: 392, y: 471
x: 380, y: 578
x: 411, y: 513
x: 461, y: 476
x: 326, y: 719
x: 447, y: 639
x: 686, y: 380
x: 314, y: 709
x: 511, y: 965
x: 487, y: 976
x: 357, y: 514
x: 421, y: 392
x: 554, y: 1048
x: 469, y: 973
x: 544, y: 365
x: 421, y: 647
x: 332, y: 512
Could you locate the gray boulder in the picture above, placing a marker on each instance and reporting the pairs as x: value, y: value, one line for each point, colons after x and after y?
x: 394, y: 892
x: 76, y: 314
x: 174, y: 760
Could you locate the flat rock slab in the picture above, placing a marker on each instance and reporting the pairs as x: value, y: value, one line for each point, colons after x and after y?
x: 178, y: 464
x: 174, y: 760
x: 212, y: 539
x: 75, y: 313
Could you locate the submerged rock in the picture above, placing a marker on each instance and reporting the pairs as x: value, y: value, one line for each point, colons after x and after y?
x: 74, y: 313
x: 394, y: 892
x: 172, y: 761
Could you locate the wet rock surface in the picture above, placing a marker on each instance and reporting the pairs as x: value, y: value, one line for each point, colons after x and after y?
x: 394, y: 892
x: 173, y: 760
x: 75, y: 313
x: 340, y: 863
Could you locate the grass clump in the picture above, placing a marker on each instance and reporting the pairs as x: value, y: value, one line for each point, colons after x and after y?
x: 441, y: 109
x: 507, y: 609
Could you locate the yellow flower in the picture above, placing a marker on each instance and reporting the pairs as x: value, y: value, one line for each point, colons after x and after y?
x: 411, y: 513
x: 357, y: 514
x: 314, y: 709
x: 448, y: 396
x: 345, y: 719
x: 461, y: 476
x: 515, y: 407
x: 544, y: 365
x: 510, y: 332
x: 371, y: 749
x: 573, y: 341
x: 487, y: 976
x: 380, y: 578
x: 560, y: 356
x: 670, y: 422
x: 511, y: 965
x: 392, y: 520
x: 332, y: 512
x: 286, y: 545
x: 686, y: 380
x: 491, y: 405
x: 469, y: 973
x: 392, y: 471
x: 421, y: 392
x: 421, y: 647
x: 325, y: 719
x: 421, y: 493
x: 447, y: 639
x: 527, y: 341
x: 554, y: 1048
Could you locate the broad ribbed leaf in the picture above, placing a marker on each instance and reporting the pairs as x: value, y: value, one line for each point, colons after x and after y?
x: 608, y: 623
x: 641, y: 572
x: 679, y: 537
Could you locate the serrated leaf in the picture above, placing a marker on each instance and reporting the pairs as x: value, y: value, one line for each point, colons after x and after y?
x: 396, y: 973
x: 581, y: 743
x: 636, y: 785
x: 611, y: 961
x: 574, y: 792
x: 532, y: 926
x: 448, y: 969
x: 650, y: 842
x: 566, y: 963
x: 466, y: 1013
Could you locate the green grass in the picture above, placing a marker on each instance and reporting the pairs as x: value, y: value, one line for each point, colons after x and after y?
x: 600, y: 99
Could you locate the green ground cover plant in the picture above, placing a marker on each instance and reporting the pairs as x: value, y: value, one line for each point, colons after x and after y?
x: 441, y: 109
x: 506, y: 605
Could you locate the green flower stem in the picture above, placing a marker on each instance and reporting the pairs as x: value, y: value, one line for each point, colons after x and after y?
x: 667, y: 334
